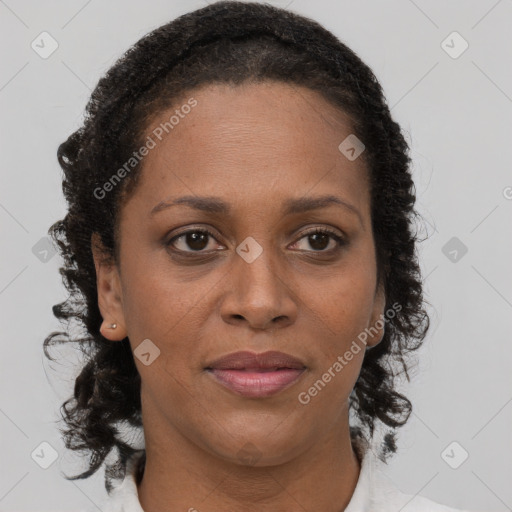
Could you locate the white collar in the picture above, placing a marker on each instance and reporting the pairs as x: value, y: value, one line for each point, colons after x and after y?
x: 374, y: 491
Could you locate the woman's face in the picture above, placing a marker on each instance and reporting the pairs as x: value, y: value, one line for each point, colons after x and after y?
x: 260, y: 282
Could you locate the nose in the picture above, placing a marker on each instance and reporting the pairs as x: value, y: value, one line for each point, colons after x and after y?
x: 259, y: 296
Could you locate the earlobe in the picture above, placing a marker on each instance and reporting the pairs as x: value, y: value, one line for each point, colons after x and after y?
x: 108, y: 287
x: 112, y: 331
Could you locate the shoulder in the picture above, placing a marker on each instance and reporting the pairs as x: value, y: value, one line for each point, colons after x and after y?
x: 421, y: 504
x: 392, y: 499
x: 375, y: 491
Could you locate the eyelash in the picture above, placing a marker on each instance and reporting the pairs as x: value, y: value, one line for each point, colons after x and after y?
x: 324, y: 231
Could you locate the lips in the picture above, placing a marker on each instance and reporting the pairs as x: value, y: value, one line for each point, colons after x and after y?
x: 256, y: 375
x: 251, y: 361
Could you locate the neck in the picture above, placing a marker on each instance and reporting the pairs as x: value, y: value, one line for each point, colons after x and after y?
x: 179, y: 475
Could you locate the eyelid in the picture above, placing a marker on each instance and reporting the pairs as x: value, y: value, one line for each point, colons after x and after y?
x: 193, y: 229
x: 340, y: 238
x: 324, y: 229
x: 334, y: 233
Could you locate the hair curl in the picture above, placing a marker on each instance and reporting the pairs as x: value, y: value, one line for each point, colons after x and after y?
x: 227, y: 42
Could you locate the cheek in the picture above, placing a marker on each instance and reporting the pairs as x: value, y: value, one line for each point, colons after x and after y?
x: 345, y: 305
x: 340, y: 316
x: 156, y: 303
x: 169, y: 313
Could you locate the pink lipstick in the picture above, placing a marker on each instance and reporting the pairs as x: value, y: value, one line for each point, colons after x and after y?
x: 256, y: 375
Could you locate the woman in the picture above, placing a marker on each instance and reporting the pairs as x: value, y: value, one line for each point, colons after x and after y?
x: 239, y: 248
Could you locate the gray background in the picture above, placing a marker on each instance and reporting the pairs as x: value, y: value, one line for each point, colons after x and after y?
x: 456, y: 113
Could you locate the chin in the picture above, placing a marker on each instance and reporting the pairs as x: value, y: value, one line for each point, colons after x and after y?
x: 258, y: 448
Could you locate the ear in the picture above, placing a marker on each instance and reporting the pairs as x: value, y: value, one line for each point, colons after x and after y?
x: 377, y: 323
x: 108, y: 284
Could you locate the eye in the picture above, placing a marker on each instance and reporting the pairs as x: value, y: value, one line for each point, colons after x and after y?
x: 197, y: 240
x: 194, y: 239
x: 318, y: 239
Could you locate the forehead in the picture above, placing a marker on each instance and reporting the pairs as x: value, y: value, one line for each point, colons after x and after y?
x: 250, y: 139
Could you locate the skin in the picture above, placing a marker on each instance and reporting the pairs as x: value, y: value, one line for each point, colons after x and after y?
x: 253, y: 146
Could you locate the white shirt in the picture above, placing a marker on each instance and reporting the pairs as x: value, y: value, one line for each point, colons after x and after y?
x: 373, y: 493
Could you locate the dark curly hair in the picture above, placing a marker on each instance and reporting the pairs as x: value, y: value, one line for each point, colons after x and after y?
x: 226, y: 42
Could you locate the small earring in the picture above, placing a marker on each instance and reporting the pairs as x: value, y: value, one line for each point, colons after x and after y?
x: 112, y: 326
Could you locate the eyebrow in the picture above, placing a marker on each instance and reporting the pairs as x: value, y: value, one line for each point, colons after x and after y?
x: 215, y: 205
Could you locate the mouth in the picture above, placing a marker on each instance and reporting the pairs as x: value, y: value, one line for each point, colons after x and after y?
x: 256, y: 375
